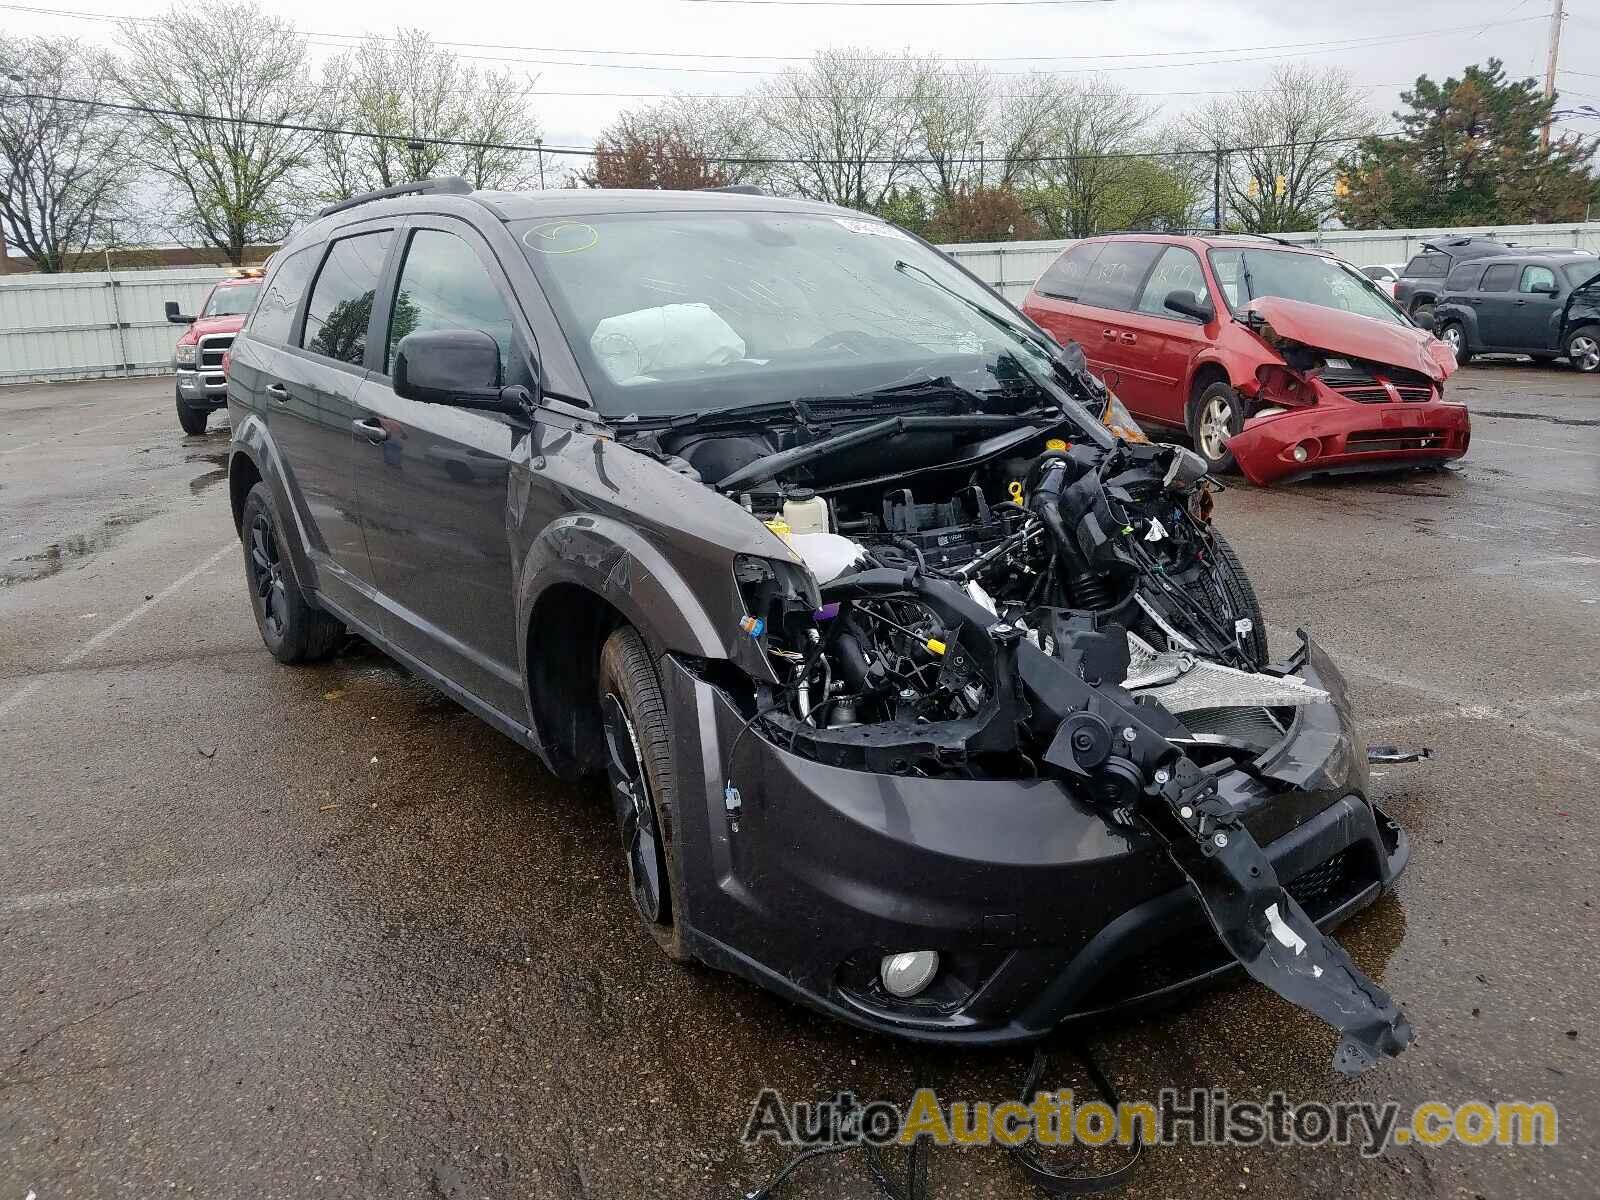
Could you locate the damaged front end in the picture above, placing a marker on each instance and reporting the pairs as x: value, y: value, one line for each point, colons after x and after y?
x: 1350, y: 393
x: 1022, y: 682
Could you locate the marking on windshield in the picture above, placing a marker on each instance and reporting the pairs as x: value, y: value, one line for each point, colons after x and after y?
x: 561, y: 237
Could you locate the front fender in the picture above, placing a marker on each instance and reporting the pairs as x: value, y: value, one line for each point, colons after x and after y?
x: 253, y: 443
x: 622, y: 567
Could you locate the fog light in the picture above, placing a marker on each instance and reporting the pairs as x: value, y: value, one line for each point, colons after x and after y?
x: 1300, y: 453
x: 905, y: 975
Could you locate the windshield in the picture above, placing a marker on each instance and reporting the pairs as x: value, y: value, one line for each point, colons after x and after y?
x: 233, y: 300
x: 674, y: 312
x: 1246, y: 275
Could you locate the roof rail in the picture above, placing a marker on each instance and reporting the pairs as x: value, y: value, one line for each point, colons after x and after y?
x: 1194, y: 232
x: 738, y: 189
x: 1242, y: 233
x: 445, y: 185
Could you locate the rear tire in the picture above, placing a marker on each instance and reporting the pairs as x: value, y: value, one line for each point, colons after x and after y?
x: 640, y: 771
x: 193, y: 420
x: 1215, y: 415
x: 1422, y: 313
x: 1241, y: 594
x: 293, y: 630
x: 1583, y: 349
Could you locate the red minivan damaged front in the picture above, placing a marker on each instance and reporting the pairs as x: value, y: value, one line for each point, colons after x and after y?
x: 1352, y: 393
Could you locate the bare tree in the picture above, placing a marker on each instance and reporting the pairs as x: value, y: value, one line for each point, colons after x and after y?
x: 843, y: 126
x: 245, y: 75
x: 1092, y: 169
x: 1282, y: 145
x: 64, y: 169
x: 408, y: 100
x: 950, y: 106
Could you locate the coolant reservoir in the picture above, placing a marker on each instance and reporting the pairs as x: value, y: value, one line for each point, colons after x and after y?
x: 807, y: 516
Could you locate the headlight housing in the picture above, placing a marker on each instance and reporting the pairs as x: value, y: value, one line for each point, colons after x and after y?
x: 1116, y: 417
x: 184, y: 355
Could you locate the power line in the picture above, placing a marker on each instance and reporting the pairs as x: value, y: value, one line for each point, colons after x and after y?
x: 750, y: 160
x: 898, y: 3
x: 1369, y: 41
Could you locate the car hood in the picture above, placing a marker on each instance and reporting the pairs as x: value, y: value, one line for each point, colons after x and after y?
x: 205, y: 326
x: 1335, y: 331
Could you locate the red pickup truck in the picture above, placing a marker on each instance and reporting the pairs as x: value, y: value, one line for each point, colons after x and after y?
x: 202, y: 376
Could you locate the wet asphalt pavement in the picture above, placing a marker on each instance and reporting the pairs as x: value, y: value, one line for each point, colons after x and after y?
x: 275, y: 932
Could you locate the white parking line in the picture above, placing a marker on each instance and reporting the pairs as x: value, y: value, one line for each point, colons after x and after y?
x: 1534, y: 446
x: 87, y: 646
x: 30, y: 901
x: 144, y: 412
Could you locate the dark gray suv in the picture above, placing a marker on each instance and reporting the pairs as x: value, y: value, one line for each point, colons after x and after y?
x: 923, y: 696
x: 1545, y: 304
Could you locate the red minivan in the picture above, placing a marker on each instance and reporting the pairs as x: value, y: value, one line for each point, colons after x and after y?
x: 1280, y: 360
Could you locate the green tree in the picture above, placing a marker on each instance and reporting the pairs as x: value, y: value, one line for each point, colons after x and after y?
x: 1468, y: 153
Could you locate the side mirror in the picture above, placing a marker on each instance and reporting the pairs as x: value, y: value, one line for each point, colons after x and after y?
x: 1543, y: 289
x: 458, y: 367
x: 1187, y: 304
x: 1426, y: 320
x: 174, y: 317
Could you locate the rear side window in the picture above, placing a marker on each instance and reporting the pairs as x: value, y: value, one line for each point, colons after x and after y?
x: 1428, y: 266
x: 1178, y: 270
x: 1535, y: 275
x: 274, y: 318
x: 1065, y: 277
x: 1501, y: 277
x: 1115, y: 278
x: 1580, y: 273
x: 443, y: 285
x: 341, y: 301
x: 1465, y: 277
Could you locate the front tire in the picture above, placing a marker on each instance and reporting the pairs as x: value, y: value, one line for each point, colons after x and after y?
x: 293, y: 631
x: 1583, y: 349
x: 192, y: 420
x: 1216, y: 415
x: 639, y: 769
x: 1454, y: 335
x: 1241, y: 597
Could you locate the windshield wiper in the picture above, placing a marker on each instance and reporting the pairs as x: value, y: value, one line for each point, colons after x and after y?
x: 987, y: 314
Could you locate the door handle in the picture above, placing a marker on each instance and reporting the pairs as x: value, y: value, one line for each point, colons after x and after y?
x: 1129, y: 338
x: 1110, y: 335
x: 372, y: 429
x: 278, y: 392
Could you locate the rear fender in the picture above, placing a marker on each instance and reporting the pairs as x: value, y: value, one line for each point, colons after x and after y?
x: 253, y: 443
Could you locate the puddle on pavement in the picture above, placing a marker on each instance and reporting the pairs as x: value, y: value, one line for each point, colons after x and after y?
x: 57, y: 556
x: 218, y: 461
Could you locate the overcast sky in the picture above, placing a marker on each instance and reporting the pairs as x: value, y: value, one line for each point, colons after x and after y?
x: 1163, y: 45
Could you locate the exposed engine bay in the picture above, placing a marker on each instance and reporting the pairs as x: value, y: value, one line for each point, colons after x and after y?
x: 1017, y: 598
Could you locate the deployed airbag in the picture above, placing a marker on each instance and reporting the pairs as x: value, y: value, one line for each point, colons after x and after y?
x: 673, y: 337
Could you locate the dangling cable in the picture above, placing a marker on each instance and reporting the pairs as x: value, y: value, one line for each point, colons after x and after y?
x: 1054, y: 1183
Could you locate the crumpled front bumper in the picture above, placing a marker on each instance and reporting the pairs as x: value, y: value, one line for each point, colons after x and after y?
x: 1047, y: 911
x: 1342, y: 435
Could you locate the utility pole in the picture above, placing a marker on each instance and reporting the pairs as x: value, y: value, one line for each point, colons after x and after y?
x: 1550, y: 67
x: 1216, y: 194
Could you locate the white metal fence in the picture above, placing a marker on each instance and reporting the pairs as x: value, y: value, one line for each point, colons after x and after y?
x: 94, y: 324
x: 90, y: 324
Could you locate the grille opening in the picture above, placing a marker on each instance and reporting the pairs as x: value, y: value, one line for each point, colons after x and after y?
x: 1366, y: 384
x: 1382, y: 439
